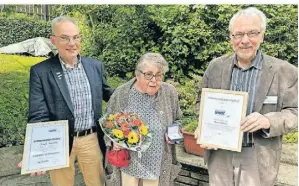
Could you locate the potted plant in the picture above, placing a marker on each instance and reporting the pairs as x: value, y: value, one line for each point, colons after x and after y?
x: 189, y: 140
x: 188, y: 89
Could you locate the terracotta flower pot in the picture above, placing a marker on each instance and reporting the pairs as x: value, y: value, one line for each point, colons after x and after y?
x: 190, y: 144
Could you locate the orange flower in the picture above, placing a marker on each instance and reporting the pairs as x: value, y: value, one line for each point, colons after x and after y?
x: 108, y: 124
x: 132, y: 123
x: 137, y: 122
x: 117, y: 116
x: 124, y: 126
x: 126, y: 132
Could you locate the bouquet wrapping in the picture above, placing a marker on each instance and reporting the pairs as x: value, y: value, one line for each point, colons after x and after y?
x: 128, y: 130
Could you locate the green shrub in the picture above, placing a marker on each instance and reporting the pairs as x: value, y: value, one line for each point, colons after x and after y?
x: 19, y: 27
x: 188, y: 36
x: 291, y: 137
x: 14, y: 76
x: 188, y: 90
x: 115, y: 82
x: 13, y: 107
x: 14, y: 83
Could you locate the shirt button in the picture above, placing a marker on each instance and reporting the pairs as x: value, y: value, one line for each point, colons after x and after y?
x: 164, y: 172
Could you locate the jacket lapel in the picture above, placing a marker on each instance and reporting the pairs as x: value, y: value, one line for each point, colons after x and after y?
x: 58, y: 75
x: 89, y: 71
x: 227, y: 69
x: 265, y: 82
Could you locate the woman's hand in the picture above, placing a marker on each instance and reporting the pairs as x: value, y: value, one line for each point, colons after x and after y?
x: 169, y: 142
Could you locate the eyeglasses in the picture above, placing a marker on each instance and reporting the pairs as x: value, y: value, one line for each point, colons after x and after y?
x: 149, y: 75
x: 251, y: 34
x: 67, y: 39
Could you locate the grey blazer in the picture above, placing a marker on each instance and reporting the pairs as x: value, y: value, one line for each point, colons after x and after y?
x: 49, y: 98
x: 278, y: 78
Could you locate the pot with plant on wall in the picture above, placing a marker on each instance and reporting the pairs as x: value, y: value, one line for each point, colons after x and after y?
x: 189, y: 139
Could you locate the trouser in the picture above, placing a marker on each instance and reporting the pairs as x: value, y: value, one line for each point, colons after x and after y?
x: 87, y: 151
x: 128, y: 180
x: 228, y: 168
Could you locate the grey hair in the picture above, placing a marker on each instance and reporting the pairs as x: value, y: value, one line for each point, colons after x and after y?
x: 152, y: 58
x: 249, y: 12
x: 61, y: 19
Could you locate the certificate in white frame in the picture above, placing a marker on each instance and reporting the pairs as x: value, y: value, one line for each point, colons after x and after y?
x: 46, y: 146
x: 221, y: 112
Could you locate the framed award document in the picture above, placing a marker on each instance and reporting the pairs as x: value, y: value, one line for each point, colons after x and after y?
x: 220, y: 117
x: 46, y: 146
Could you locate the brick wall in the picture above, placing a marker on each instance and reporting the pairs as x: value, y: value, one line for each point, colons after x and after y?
x: 192, y: 176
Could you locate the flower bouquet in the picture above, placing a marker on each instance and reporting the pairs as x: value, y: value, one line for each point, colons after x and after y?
x: 128, y: 130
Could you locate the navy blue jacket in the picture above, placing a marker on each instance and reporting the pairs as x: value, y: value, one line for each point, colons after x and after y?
x: 49, y: 98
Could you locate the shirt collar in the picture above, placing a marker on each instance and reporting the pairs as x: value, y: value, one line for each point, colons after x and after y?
x: 66, y: 66
x: 256, y: 62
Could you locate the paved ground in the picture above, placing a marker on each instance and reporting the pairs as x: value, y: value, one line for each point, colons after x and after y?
x: 10, y: 173
x: 288, y: 172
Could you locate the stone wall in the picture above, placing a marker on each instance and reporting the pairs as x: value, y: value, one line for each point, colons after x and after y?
x: 194, y: 176
x: 193, y: 173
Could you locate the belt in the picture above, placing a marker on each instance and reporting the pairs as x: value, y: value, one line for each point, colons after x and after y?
x: 85, y: 132
x: 248, y: 145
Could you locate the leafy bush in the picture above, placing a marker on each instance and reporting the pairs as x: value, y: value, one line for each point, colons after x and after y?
x: 14, y: 76
x: 19, y: 27
x: 291, y: 137
x: 14, y: 83
x: 189, y: 36
x: 114, y: 82
x: 188, y: 90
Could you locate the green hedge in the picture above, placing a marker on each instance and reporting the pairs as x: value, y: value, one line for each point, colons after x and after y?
x: 189, y: 36
x: 19, y: 27
x: 14, y: 83
x: 14, y: 75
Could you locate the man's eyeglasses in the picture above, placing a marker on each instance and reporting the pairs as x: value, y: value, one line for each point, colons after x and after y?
x: 149, y: 75
x: 67, y: 39
x: 251, y: 34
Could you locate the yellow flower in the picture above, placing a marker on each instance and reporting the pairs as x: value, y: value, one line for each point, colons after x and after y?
x: 133, y: 137
x: 111, y: 117
x: 143, y: 130
x: 118, y: 133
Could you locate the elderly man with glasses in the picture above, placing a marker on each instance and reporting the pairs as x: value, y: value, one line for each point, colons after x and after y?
x: 71, y: 87
x: 272, y: 108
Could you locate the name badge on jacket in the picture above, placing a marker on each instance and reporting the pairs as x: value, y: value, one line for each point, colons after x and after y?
x: 270, y: 100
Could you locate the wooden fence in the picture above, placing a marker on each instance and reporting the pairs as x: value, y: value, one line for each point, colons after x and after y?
x: 45, y: 12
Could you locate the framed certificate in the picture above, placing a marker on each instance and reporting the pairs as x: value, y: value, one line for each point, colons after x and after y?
x: 46, y: 146
x: 220, y: 117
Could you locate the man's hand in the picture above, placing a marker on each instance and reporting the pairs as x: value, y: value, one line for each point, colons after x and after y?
x: 254, y: 122
x: 38, y: 173
x: 209, y: 147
